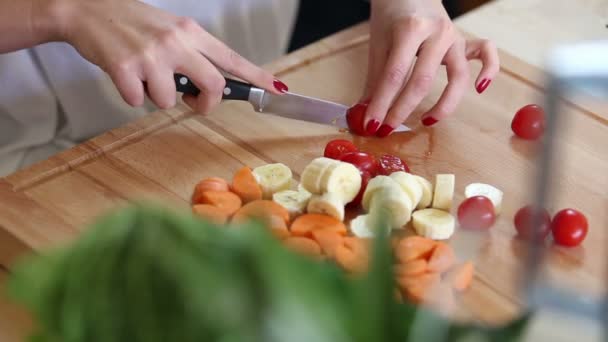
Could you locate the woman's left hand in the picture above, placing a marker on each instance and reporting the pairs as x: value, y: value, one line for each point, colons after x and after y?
x: 397, y: 81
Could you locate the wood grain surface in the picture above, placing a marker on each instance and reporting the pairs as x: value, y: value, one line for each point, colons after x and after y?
x: 162, y: 156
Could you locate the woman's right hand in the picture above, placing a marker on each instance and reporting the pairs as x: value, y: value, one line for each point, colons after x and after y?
x: 134, y: 43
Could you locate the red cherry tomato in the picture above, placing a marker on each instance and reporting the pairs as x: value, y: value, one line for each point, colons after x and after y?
x: 569, y: 227
x: 525, y: 220
x: 365, y: 177
x: 355, y: 117
x: 389, y: 164
x: 529, y: 122
x: 363, y: 161
x: 476, y: 212
x: 336, y: 148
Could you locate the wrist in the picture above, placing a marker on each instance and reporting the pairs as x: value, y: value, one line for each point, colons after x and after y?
x: 48, y: 19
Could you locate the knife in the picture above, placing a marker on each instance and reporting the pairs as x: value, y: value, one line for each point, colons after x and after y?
x: 288, y: 105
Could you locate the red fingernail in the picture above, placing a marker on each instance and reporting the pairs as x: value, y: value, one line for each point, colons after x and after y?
x: 483, y: 85
x: 372, y: 126
x: 384, y: 131
x: 280, y: 86
x: 429, y: 121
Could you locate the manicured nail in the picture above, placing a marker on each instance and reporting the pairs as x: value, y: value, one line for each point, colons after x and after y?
x: 429, y: 121
x: 384, y: 131
x: 372, y: 126
x: 280, y: 86
x: 483, y: 85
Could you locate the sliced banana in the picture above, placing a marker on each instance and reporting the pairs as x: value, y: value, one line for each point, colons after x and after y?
x: 487, y: 190
x: 294, y: 201
x: 294, y: 185
x: 344, y: 180
x: 409, y: 184
x: 427, y: 192
x: 312, y: 174
x: 330, y: 204
x: 301, y: 188
x: 433, y: 223
x: 391, y: 204
x: 273, y: 178
x: 375, y: 184
x: 360, y: 227
x: 444, y: 191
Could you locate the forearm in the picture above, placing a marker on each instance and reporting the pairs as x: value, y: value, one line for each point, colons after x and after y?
x: 26, y: 23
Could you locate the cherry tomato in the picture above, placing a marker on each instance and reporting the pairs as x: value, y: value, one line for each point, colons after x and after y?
x: 569, y: 227
x: 336, y: 148
x: 476, y: 212
x: 363, y: 161
x: 355, y: 117
x: 525, y: 220
x: 389, y: 164
x: 365, y: 177
x: 529, y: 122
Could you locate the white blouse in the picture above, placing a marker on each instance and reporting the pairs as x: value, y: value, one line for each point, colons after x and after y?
x: 51, y: 98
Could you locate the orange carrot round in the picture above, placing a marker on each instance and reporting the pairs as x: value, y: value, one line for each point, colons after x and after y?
x: 245, y: 185
x: 211, y: 213
x: 419, y: 286
x: 349, y: 261
x: 208, y: 184
x: 414, y: 247
x: 411, y: 268
x: 442, y: 258
x: 304, y: 225
x: 460, y: 276
x: 278, y: 227
x: 328, y: 240
x: 262, y: 210
x: 225, y: 200
x: 303, y: 245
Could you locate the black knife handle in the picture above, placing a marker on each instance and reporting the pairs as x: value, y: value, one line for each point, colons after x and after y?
x: 234, y: 90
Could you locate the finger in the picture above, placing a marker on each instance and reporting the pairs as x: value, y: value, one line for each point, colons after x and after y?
x: 377, y: 56
x: 160, y: 85
x: 394, y: 75
x: 485, y: 51
x: 458, y: 76
x: 418, y: 85
x: 129, y: 86
x: 207, y: 79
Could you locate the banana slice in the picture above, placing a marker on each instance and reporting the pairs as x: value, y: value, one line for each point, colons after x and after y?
x: 360, y: 227
x: 330, y: 204
x: 481, y: 189
x: 273, y: 178
x: 444, y: 191
x: 409, y: 184
x: 294, y: 185
x: 294, y: 201
x: 375, y: 184
x: 391, y: 204
x: 313, y: 172
x: 433, y: 223
x: 427, y: 192
x: 343, y: 180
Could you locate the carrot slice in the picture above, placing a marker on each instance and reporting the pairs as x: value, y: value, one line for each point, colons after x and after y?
x: 414, y: 247
x: 245, y: 185
x: 211, y: 213
x: 208, y: 184
x: 303, y: 245
x: 442, y: 258
x: 278, y: 227
x: 225, y: 200
x: 262, y: 210
x: 304, y: 225
x: 411, y: 268
x: 460, y: 276
x: 349, y: 260
x: 359, y: 246
x: 418, y: 287
x: 328, y: 240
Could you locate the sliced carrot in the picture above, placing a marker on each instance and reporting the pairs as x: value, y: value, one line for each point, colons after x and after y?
x: 348, y: 260
x: 208, y: 184
x: 442, y: 258
x: 460, y: 276
x: 245, y: 185
x: 261, y: 210
x: 225, y: 200
x: 303, y: 245
x: 278, y: 227
x: 411, y: 268
x: 418, y: 287
x: 359, y: 246
x: 304, y: 225
x: 414, y: 247
x: 328, y: 240
x: 211, y: 213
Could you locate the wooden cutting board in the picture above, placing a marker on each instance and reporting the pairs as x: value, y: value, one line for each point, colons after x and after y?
x: 162, y: 156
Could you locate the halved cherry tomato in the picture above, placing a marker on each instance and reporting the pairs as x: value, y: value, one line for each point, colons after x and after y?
x: 336, y: 148
x: 363, y: 161
x: 355, y: 117
x: 569, y: 227
x: 389, y: 164
x: 476, y: 212
x: 525, y: 221
x: 365, y: 177
x: 529, y: 122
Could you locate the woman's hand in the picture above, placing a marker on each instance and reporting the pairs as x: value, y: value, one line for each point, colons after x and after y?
x: 135, y: 43
x: 397, y: 81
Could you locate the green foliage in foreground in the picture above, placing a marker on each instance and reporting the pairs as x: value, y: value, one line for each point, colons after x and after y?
x: 146, y: 275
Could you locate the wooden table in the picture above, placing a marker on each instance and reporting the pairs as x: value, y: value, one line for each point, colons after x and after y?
x: 163, y: 155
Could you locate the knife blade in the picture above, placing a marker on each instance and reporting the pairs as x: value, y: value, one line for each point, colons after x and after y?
x: 289, y: 105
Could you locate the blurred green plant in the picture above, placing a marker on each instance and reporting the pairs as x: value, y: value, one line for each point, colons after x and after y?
x: 145, y: 274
